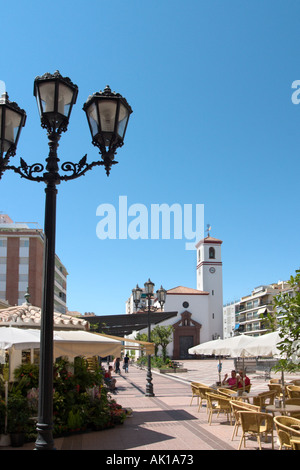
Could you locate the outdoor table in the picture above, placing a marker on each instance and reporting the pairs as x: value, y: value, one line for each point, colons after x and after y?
x: 283, y: 409
x: 245, y: 395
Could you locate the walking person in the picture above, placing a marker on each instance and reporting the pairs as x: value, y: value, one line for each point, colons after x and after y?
x: 126, y: 363
x: 117, y: 366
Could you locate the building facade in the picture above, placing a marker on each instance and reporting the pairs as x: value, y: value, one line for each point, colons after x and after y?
x: 21, y: 266
x: 251, y: 310
x: 229, y: 313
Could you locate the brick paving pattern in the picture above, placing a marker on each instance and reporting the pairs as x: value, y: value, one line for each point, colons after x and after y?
x: 167, y: 421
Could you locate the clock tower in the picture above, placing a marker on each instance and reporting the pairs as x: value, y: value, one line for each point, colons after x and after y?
x: 209, y: 279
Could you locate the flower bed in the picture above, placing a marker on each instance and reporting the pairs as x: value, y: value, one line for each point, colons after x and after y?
x: 81, y: 400
x: 163, y: 366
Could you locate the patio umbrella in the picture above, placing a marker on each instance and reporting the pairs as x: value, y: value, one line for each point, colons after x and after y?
x: 233, y: 347
x: 264, y: 345
x: 207, y: 349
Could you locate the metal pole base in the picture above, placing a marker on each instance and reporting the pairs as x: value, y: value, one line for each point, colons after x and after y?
x: 44, y: 439
x: 149, y: 385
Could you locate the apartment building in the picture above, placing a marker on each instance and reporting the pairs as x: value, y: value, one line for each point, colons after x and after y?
x: 229, y: 312
x: 21, y: 265
x: 247, y: 315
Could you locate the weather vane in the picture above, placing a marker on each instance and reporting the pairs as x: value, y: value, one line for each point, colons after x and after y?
x: 208, y: 229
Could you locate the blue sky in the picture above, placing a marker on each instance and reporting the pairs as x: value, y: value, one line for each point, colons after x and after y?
x: 213, y: 123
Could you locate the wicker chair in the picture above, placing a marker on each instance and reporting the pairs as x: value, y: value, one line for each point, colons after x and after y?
x: 293, y: 401
x: 195, y: 391
x: 287, y: 427
x: 274, y: 381
x: 237, y: 406
x: 263, y: 399
x: 296, y: 382
x: 204, y: 389
x: 295, y: 443
x: 277, y: 388
x: 228, y: 392
x: 293, y: 391
x: 256, y: 423
x: 199, y: 391
x: 217, y: 403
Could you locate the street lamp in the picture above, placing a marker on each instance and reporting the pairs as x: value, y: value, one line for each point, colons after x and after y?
x: 161, y: 297
x: 55, y: 97
x: 12, y: 119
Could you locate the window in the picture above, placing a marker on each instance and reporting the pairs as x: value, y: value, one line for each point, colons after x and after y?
x: 212, y: 253
x: 62, y: 296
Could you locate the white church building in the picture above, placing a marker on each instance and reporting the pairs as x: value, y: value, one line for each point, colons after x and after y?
x: 199, y: 311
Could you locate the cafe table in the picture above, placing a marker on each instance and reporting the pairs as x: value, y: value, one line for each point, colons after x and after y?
x: 284, y: 410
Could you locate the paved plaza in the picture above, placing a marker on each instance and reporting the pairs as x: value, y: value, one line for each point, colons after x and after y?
x: 167, y: 421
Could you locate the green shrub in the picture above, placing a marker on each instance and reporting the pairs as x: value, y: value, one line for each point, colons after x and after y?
x: 18, y: 412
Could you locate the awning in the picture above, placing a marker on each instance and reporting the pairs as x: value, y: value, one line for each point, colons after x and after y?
x: 72, y: 343
x: 66, y: 343
x: 148, y: 348
x: 82, y: 343
x: 261, y: 310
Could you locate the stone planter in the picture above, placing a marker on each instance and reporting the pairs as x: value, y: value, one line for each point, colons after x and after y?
x: 170, y: 370
x: 4, y: 440
x: 17, y: 439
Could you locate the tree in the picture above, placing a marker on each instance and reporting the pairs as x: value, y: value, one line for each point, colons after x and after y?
x: 142, y: 337
x: 286, y: 319
x: 161, y: 336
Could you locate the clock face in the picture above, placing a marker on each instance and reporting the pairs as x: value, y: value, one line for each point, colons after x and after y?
x: 212, y: 270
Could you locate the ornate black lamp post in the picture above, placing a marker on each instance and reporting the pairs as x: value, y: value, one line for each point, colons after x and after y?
x: 161, y: 297
x: 108, y: 114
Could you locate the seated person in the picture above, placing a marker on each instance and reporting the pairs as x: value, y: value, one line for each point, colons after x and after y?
x: 109, y: 380
x: 232, y: 381
x: 243, y: 379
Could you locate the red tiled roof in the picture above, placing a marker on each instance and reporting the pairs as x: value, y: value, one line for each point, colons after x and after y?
x: 186, y: 290
x: 209, y: 240
x: 28, y: 315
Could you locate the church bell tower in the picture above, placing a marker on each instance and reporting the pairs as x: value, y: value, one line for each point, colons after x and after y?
x: 210, y: 279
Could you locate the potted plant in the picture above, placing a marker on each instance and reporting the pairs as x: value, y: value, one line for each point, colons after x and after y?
x: 18, y: 415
